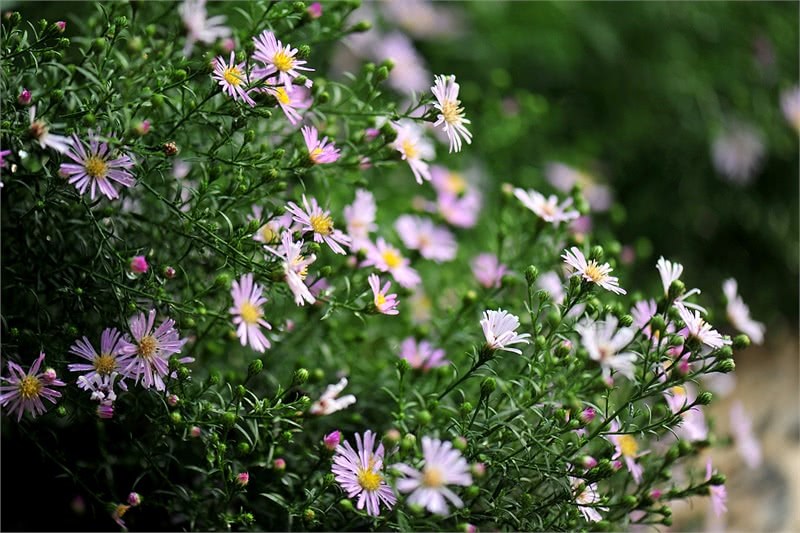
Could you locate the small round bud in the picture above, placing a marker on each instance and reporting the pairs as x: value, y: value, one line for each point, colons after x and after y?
x: 24, y: 97
x: 726, y: 366
x: 657, y: 323
x: 740, y: 342
x: 361, y: 26
x: 61, y: 411
x: 346, y: 504
x: 553, y: 318
x: 685, y: 447
x: 139, y: 264
x: 424, y: 417
x: 626, y: 321
x: 242, y: 479
x: 488, y: 386
x: 531, y: 273
x: 303, y: 51
x: 460, y: 443
x: 465, y: 408
x: 172, y: 400
x: 676, y: 289
x: 596, y: 253
x: 98, y: 45
x: 332, y: 439
x: 309, y: 515
x: 222, y: 280
x: 176, y: 417
x: 134, y: 499
x: 279, y: 464
x: 300, y: 376
x: 470, y: 297
x: 228, y: 418
x: 169, y: 148
x: 255, y: 367
x: 382, y: 74
x: 403, y: 366
x: 726, y: 352
x: 588, y: 462
x: 243, y: 448
x: 195, y: 432
x: 704, y: 398
x: 717, y: 479
x: 241, y: 390
x: 630, y: 500
x: 408, y: 442
x: 49, y: 375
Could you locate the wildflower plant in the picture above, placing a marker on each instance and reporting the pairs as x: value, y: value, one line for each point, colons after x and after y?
x: 475, y: 397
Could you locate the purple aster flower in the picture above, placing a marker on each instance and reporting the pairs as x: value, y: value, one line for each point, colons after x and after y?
x: 277, y: 59
x: 95, y: 168
x: 488, y: 270
x: 318, y: 221
x: 360, y: 473
x: 627, y: 448
x: 422, y: 356
x: 248, y: 313
x: 152, y: 348
x: 111, y: 359
x: 387, y: 258
x: 433, y: 242
x: 232, y: 77
x: 198, y: 26
x: 384, y: 303
x: 319, y: 152
x: 24, y: 391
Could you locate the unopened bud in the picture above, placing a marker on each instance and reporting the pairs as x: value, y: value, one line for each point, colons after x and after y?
x: 279, y: 464
x: 488, y: 386
x: 243, y: 478
x: 726, y: 366
x: 332, y: 440
x: 741, y: 342
x: 531, y: 273
x: 134, y: 499
x: 24, y: 97
x: 300, y: 376
x: 255, y: 367
x: 704, y: 398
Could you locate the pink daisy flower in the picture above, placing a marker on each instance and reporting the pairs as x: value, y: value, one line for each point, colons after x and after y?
x: 329, y: 402
x: 111, y: 359
x: 198, y: 26
x: 451, y: 115
x: 360, y: 217
x: 591, y: 271
x: 628, y: 449
x: 719, y: 495
x: 152, y: 349
x: 488, y: 270
x: 23, y: 391
x: 460, y: 211
x: 232, y: 78
x: 442, y: 466
x: 319, y: 152
x: 604, y: 342
x: 290, y: 99
x: 320, y: 223
x: 670, y: 272
x: 693, y: 426
x: 409, y: 73
x: 642, y: 312
x: 277, y: 59
x: 422, y: 355
x: 102, y: 389
x: 95, y: 169
x: 248, y: 313
x: 360, y: 473
x: 387, y: 258
x: 698, y: 329
x: 414, y: 149
x: 296, y: 267
x: 500, y: 330
x: 386, y: 304
x: 433, y: 242
x: 548, y: 209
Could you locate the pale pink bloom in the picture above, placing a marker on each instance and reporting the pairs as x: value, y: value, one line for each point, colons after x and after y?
x: 317, y: 285
x: 277, y: 59
x: 605, y: 344
x: 587, y: 499
x: 742, y: 428
x: 384, y: 303
x: 320, y: 152
x: 628, y: 449
x: 139, y: 264
x: 243, y: 478
x: 360, y: 217
x: 409, y: 73
x: 442, y: 466
x: 314, y: 219
x: 93, y: 168
x: 591, y: 271
x: 198, y: 26
x: 248, y: 313
x: 290, y: 99
x: 360, y: 473
x: 548, y: 209
x: 422, y: 355
x: 329, y: 402
x: 790, y: 104
x: 23, y: 391
x: 295, y: 266
x: 134, y: 499
x: 152, y: 349
x: 448, y: 182
x: 581, y: 225
x: 642, y: 312
x: 3, y: 154
x: 739, y: 314
x: 460, y: 211
x: 270, y: 232
x: 102, y: 389
x: 24, y: 97
x: 719, y: 496
x: 693, y: 427
x: 564, y: 177
x: 700, y: 330
x: 111, y: 359
x: 41, y: 134
x: 232, y: 78
x: 314, y: 10
x: 387, y: 258
x: 488, y: 270
x: 433, y: 242
x: 670, y: 272
x: 414, y: 149
x: 451, y: 114
x: 331, y: 440
x: 500, y: 330
x: 738, y: 153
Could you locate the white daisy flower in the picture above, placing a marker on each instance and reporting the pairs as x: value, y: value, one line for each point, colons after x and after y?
x: 548, y: 209
x: 414, y: 149
x: 499, y: 329
x: 591, y: 271
x: 700, y: 330
x: 329, y: 403
x: 451, y: 115
x: 605, y: 343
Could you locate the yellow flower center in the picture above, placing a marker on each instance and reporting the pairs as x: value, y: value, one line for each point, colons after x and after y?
x: 283, y: 61
x: 95, y: 167
x: 268, y: 234
x: 432, y: 477
x: 281, y: 95
x: 451, y: 112
x: 409, y: 149
x: 105, y: 364
x: 678, y: 391
x: 29, y: 387
x: 250, y: 313
x: 121, y: 510
x: 380, y: 299
x: 392, y: 258
x: 455, y: 183
x: 368, y: 479
x: 233, y: 76
x: 303, y: 272
x: 628, y: 446
x: 593, y: 271
x: 148, y: 346
x: 314, y: 154
x: 322, y: 224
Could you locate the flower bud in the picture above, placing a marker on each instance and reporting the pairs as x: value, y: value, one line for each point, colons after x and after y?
x: 717, y: 479
x: 408, y: 442
x: 243, y: 478
x: 49, y: 375
x: 588, y: 462
x: 255, y: 367
x: 488, y: 386
x: 676, y: 289
x: 531, y: 273
x: 388, y: 132
x: 24, y: 97
x: 657, y: 323
x: 460, y: 443
x: 726, y: 366
x: 588, y: 415
x: 176, y: 417
x: 361, y: 26
x: 626, y: 321
x: 170, y: 149
x: 134, y: 499
x: 243, y: 448
x: 98, y: 45
x: 279, y: 464
x: 741, y: 342
x: 300, y: 376
x: 314, y: 11
x: 332, y: 439
x: 478, y: 469
x: 228, y: 418
x: 195, y: 432
x: 465, y: 408
x: 346, y: 504
x: 381, y: 74
x: 596, y: 253
x: 391, y: 437
x: 704, y: 398
x: 172, y: 400
x: 424, y: 417
x: 403, y: 366
x: 139, y: 264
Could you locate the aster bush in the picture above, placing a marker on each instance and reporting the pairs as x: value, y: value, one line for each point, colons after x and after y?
x: 253, y: 297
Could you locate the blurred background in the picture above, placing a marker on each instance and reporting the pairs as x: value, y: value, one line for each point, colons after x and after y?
x: 679, y: 121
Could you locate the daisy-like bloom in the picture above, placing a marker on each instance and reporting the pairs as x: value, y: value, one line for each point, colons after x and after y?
x: 360, y: 473
x: 271, y: 231
x: 414, y: 149
x: 738, y: 153
x: 693, y: 427
x: 198, y: 26
x: 548, y: 209
x: 111, y: 359
x: 118, y: 513
x: 488, y: 270
x: 277, y: 59
x: 700, y: 330
x: 102, y: 389
x: 718, y: 493
x: 460, y: 211
x: 384, y: 303
x: 232, y: 79
x: 296, y: 267
x: 642, y: 312
x: 500, y: 330
x: 360, y: 218
x: 320, y: 223
x: 95, y: 169
x: 433, y: 242
x: 139, y: 264
x: 564, y: 177
x: 329, y: 402
x: 248, y: 313
x: 451, y: 115
x: 604, y: 343
x: 422, y: 355
x: 587, y: 499
x: 443, y: 466
x: 409, y: 74
x: 152, y: 349
x: 290, y: 99
x: 387, y: 258
x: 742, y: 429
x: 739, y: 314
x: 626, y: 448
x: 447, y: 181
x: 591, y: 271
x: 670, y: 272
x: 319, y: 152
x: 41, y: 134
x: 23, y: 391
x: 790, y: 104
